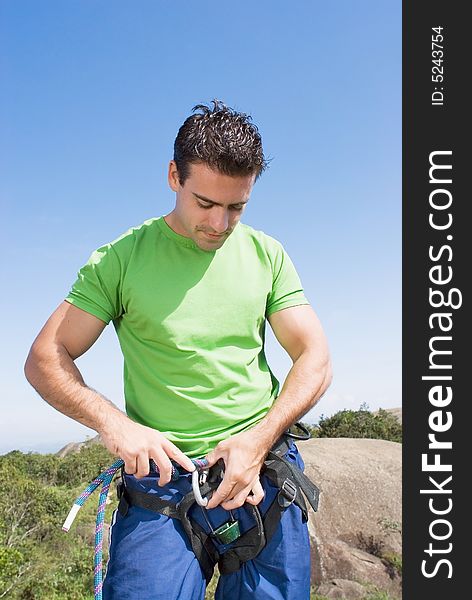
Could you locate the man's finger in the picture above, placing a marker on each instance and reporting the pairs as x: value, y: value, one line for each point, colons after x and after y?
x: 179, y: 457
x: 252, y: 494
x: 130, y: 466
x: 237, y: 500
x: 142, y: 465
x: 221, y: 493
x: 257, y: 494
x: 164, y: 465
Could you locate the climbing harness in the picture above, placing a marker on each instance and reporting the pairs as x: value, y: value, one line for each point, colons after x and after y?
x: 286, y: 476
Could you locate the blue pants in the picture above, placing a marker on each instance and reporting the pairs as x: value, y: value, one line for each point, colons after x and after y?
x: 151, y: 557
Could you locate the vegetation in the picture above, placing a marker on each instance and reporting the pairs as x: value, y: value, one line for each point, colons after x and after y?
x: 40, y: 562
x: 377, y: 594
x: 373, y: 595
x: 37, y: 560
x: 359, y: 424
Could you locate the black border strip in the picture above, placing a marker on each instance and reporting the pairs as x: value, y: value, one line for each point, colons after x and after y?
x: 435, y: 271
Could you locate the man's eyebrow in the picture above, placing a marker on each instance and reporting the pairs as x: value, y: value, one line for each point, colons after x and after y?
x: 217, y: 203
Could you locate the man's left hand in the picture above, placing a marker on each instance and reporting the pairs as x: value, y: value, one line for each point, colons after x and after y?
x: 243, y: 455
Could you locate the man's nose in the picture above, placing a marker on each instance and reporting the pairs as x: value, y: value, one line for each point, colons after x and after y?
x: 219, y: 219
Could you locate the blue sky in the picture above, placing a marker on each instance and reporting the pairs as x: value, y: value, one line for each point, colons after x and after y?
x: 93, y: 95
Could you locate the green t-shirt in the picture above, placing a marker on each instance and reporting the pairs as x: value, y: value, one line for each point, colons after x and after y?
x: 191, y: 326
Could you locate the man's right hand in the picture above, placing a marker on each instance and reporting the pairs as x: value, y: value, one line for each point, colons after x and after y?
x: 136, y: 444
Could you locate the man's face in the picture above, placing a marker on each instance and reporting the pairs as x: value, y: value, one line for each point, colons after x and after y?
x: 209, y: 205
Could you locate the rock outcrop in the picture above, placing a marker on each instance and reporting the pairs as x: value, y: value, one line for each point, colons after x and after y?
x: 74, y: 447
x: 357, y: 526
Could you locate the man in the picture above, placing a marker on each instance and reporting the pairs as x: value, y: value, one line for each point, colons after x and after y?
x: 189, y: 295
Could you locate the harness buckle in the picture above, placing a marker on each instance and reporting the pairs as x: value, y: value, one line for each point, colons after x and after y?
x: 287, y: 494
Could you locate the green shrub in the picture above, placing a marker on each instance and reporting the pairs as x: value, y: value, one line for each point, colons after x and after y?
x: 12, y: 566
x: 37, y: 560
x: 394, y: 563
x: 40, y: 467
x: 82, y: 467
x: 361, y: 424
x: 67, y: 578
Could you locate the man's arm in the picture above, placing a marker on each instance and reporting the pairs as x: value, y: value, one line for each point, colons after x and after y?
x: 299, y: 332
x: 51, y: 370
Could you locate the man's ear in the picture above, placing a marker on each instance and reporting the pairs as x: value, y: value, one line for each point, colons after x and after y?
x: 173, y: 176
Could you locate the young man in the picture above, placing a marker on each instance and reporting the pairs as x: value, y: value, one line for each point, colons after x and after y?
x: 189, y: 295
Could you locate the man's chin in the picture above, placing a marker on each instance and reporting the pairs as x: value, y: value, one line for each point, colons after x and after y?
x: 208, y: 243
x: 210, y: 246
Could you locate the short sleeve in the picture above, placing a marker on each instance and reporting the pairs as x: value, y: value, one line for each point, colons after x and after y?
x: 97, y: 289
x: 287, y: 289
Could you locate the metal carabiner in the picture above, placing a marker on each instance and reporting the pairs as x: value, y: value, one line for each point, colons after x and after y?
x: 199, y: 477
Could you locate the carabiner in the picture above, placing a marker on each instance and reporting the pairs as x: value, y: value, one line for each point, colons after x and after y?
x: 199, y: 477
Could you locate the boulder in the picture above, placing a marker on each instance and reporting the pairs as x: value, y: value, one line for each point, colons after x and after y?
x: 342, y: 588
x: 358, y: 522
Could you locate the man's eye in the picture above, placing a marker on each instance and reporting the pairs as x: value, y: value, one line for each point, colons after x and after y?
x: 237, y: 207
x: 204, y: 205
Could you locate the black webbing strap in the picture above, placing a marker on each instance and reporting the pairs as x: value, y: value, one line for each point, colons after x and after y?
x: 129, y: 497
x: 246, y: 547
x: 210, y: 556
x: 204, y: 549
x: 279, y: 469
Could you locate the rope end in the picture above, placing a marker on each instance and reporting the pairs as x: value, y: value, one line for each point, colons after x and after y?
x: 70, y: 517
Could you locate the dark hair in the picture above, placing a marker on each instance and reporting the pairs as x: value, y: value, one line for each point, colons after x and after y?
x: 222, y: 138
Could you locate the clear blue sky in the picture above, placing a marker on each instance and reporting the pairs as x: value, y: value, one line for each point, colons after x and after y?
x: 92, y: 96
